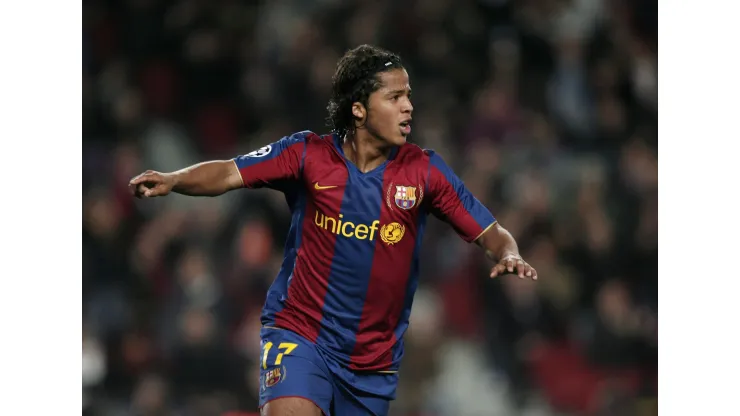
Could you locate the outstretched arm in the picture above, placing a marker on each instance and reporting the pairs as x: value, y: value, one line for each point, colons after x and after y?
x: 452, y: 202
x: 270, y: 166
x: 204, y: 179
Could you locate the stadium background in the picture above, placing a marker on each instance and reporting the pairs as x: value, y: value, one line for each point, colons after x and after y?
x: 546, y: 108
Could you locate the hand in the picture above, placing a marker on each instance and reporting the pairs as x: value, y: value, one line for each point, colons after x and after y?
x: 514, y: 264
x: 150, y: 184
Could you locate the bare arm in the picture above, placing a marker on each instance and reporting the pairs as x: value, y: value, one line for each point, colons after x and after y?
x: 207, y: 179
x: 211, y: 178
x: 501, y: 247
x: 498, y: 243
x: 454, y: 203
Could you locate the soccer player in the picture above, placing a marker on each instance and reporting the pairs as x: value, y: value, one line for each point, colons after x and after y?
x: 335, y: 316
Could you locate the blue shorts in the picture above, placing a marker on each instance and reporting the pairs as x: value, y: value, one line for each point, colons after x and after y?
x: 292, y: 366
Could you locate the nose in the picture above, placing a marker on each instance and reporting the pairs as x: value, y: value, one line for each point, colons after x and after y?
x: 407, y: 106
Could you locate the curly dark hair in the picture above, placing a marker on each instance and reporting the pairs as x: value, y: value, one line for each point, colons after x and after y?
x: 354, y: 80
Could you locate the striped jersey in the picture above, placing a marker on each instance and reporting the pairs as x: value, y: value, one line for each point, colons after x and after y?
x: 351, y: 262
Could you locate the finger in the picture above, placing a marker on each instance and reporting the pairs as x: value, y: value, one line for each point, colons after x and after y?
x: 531, y: 272
x: 145, y: 177
x: 497, y: 270
x: 135, y: 179
x: 141, y: 190
x: 154, y: 192
x: 510, y: 265
x: 528, y: 270
x: 136, y: 190
x: 494, y: 271
x: 140, y: 179
x: 501, y: 269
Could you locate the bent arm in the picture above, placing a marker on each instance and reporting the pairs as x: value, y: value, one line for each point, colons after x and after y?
x: 211, y: 178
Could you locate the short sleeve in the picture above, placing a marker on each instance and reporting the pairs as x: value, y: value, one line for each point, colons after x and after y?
x: 453, y: 203
x: 274, y: 163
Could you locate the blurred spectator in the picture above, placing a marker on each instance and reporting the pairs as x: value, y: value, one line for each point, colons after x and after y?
x: 151, y: 397
x: 93, y: 368
x: 620, y: 335
x: 203, y: 366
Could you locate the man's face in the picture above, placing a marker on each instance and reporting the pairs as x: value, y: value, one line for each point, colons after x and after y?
x: 388, y: 114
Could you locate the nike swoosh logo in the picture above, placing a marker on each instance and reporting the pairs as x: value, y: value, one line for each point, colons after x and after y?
x: 319, y: 187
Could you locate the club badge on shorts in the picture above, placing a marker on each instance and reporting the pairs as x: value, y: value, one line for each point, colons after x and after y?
x: 273, y: 376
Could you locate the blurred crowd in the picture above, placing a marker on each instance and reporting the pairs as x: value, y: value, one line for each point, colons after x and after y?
x: 547, y: 109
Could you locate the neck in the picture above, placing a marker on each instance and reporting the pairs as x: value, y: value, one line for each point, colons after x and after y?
x: 365, y: 151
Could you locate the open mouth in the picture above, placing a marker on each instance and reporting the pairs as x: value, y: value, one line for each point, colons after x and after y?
x: 405, y: 127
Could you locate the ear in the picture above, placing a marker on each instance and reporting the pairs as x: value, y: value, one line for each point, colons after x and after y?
x: 359, y: 111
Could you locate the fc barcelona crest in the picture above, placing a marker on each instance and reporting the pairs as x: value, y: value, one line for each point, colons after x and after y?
x: 273, y: 376
x: 405, y: 196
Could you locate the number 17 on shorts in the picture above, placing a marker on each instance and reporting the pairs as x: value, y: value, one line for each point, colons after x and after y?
x: 272, y: 362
